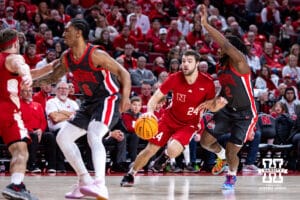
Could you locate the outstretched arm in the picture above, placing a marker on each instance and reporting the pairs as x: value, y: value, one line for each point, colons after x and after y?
x: 226, y: 46
x: 50, y: 73
x: 103, y: 60
x: 214, y: 104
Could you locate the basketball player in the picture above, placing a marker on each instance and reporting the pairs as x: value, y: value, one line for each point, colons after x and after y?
x: 14, y: 73
x: 179, y: 122
x: 98, y: 76
x: 239, y: 116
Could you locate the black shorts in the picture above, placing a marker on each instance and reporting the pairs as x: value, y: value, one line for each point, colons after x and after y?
x: 105, y: 110
x: 238, y: 123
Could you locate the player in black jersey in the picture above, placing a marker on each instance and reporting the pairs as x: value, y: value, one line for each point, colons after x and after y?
x: 239, y: 116
x: 98, y: 77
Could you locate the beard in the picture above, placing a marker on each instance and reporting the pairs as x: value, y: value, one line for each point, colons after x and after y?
x: 189, y: 72
x: 63, y: 97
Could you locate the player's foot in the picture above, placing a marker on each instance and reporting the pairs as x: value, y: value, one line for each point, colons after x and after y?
x: 127, y: 181
x: 95, y: 190
x: 17, y: 192
x: 229, y: 182
x: 75, y: 193
x: 219, y: 167
x: 159, y: 163
x: 190, y: 168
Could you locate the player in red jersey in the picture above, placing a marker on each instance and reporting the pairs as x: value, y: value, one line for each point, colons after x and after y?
x: 180, y: 120
x: 239, y: 116
x: 14, y: 73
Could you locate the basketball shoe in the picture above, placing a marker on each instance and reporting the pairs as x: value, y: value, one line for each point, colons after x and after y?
x: 219, y: 167
x: 95, y: 189
x: 159, y: 163
x: 75, y: 193
x: 17, y: 192
x: 229, y: 182
x: 127, y: 181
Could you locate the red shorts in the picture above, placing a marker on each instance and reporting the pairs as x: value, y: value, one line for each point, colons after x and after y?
x: 11, y: 124
x: 167, y: 129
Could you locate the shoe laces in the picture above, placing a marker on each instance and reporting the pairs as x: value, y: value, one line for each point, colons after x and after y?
x: 219, y: 164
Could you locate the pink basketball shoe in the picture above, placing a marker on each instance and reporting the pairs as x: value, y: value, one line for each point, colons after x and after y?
x: 75, y: 193
x: 95, y: 190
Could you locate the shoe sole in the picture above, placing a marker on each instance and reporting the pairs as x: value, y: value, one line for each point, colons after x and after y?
x: 92, y: 194
x: 10, y: 196
x: 126, y: 184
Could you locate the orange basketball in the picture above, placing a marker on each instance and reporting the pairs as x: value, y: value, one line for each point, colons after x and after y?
x: 146, y: 127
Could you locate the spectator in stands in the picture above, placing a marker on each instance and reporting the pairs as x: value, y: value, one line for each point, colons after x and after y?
x: 74, y: 8
x: 30, y: 56
x: 270, y: 58
x: 35, y: 121
x: 292, y: 68
x: 255, y: 46
x: 174, y: 34
x: 141, y: 74
x: 36, y: 21
x: 129, y: 118
x: 102, y: 24
x: 203, y: 66
x: 58, y: 111
x: 135, y: 30
x: 115, y: 18
x: 295, y: 139
x: 174, y: 66
x: 277, y: 49
x: 291, y: 101
x: 265, y: 81
x: 104, y: 41
x: 142, y: 20
x: 23, y: 42
x: 270, y: 17
x: 182, y: 45
x: 263, y: 103
x: 286, y: 34
x: 279, y: 92
x: 295, y: 50
x: 59, y: 48
x: 55, y: 24
x: 158, y: 66
x: 169, y: 8
x: 158, y: 13
x: 46, y: 42
x: 43, y: 95
x: 195, y: 35
x: 162, y: 45
x: 26, y: 30
x: 49, y: 57
x: 146, y: 93
x: 122, y: 39
x: 9, y: 18
x: 65, y: 18
x: 253, y: 60
x: 152, y: 36
x: 130, y: 63
x: 71, y: 94
x: 91, y: 16
x: 183, y: 24
x: 21, y: 13
x: 215, y: 11
x: 43, y: 9
x: 253, y: 9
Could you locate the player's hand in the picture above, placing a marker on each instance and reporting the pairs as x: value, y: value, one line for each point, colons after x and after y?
x: 203, y: 14
x: 117, y: 134
x: 220, y: 103
x: 148, y: 115
x: 26, y: 81
x: 124, y: 105
x: 197, y: 137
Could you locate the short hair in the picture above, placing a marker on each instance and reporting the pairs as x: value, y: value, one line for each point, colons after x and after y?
x: 82, y: 25
x: 135, y: 98
x: 191, y: 52
x: 7, y: 35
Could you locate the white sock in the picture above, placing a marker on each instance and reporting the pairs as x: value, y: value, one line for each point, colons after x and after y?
x: 96, y: 131
x: 186, y: 155
x: 66, y: 141
x: 232, y: 173
x: 222, y: 154
x: 172, y: 161
x: 132, y: 171
x: 17, y: 178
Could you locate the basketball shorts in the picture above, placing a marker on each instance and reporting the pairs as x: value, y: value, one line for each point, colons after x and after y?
x: 240, y: 124
x: 104, y: 110
x: 167, y: 129
x: 12, y: 127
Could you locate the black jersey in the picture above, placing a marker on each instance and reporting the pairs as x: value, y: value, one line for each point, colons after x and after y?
x: 236, y: 88
x: 94, y: 82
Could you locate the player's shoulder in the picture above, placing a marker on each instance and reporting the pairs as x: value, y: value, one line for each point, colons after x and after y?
x: 206, y: 76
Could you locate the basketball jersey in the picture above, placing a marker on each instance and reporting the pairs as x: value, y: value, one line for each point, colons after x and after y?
x: 236, y: 88
x: 94, y: 82
x: 9, y: 82
x: 187, y: 97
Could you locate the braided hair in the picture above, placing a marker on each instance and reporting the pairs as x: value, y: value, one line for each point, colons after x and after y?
x: 82, y: 25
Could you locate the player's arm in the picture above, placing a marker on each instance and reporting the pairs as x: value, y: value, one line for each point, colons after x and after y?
x: 102, y: 60
x: 214, y: 105
x: 50, y: 73
x: 153, y: 101
x: 16, y: 64
x: 226, y: 46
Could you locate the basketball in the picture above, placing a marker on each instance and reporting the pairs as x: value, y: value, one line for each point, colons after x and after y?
x: 146, y: 127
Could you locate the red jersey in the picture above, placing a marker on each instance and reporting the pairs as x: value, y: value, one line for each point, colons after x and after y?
x: 129, y: 119
x: 187, y: 97
x: 33, y: 116
x: 41, y: 97
x: 9, y: 82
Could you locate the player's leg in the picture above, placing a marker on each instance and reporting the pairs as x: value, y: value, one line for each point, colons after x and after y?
x: 66, y: 141
x: 141, y: 160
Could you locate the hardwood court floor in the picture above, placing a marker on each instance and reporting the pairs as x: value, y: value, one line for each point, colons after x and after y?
x: 159, y: 187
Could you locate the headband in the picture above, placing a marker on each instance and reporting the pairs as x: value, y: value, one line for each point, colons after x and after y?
x: 8, y: 43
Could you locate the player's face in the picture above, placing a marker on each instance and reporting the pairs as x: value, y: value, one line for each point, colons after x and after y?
x: 189, y: 65
x: 71, y: 35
